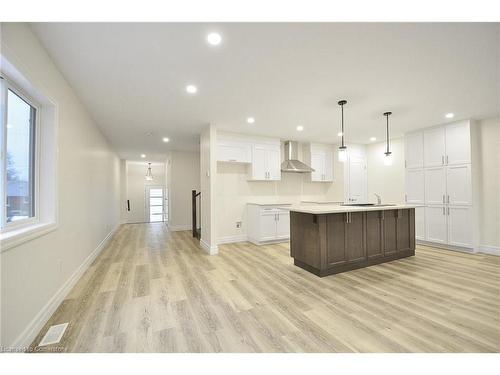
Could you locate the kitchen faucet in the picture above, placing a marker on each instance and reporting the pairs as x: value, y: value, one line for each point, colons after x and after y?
x: 379, y: 201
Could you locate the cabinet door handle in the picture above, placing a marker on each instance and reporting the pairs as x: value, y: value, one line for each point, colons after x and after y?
x: 447, y: 162
x: 448, y: 198
x: 444, y: 212
x: 448, y: 209
x: 442, y: 159
x: 443, y: 199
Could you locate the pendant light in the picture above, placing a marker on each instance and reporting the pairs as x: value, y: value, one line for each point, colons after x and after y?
x: 387, y: 153
x: 149, y: 174
x: 342, y: 148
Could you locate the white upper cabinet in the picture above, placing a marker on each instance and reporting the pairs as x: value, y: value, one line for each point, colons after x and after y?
x: 414, y: 150
x: 234, y: 151
x: 434, y: 147
x: 322, y: 163
x: 458, y: 143
x: 266, y: 162
x: 458, y: 181
x: 435, y: 185
x: 415, y: 187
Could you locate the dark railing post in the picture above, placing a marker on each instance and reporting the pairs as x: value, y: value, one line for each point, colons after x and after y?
x: 193, y: 207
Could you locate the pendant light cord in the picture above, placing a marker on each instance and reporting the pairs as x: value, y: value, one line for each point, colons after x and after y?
x: 342, y: 106
x: 387, y: 114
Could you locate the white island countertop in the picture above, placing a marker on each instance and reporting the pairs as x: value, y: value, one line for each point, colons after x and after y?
x: 333, y: 209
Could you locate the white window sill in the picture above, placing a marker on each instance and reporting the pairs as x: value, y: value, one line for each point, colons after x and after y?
x: 16, y: 237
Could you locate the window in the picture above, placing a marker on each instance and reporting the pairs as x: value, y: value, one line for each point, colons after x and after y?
x: 19, y: 173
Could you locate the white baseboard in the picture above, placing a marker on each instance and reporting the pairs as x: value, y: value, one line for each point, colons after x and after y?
x: 445, y: 246
x: 211, y: 250
x: 232, y: 239
x: 492, y: 250
x: 177, y: 228
x: 29, y: 334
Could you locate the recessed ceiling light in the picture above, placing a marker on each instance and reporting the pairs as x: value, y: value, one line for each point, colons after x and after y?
x: 449, y: 115
x: 166, y: 139
x: 214, y: 39
x: 300, y: 128
x: 191, y: 89
x: 143, y: 156
x: 339, y: 134
x: 250, y: 120
x: 373, y: 139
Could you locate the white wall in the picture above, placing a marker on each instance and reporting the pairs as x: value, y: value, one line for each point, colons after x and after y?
x: 136, y: 188
x: 489, y: 147
x: 387, y: 181
x: 208, y: 177
x: 88, y: 200
x: 184, y: 176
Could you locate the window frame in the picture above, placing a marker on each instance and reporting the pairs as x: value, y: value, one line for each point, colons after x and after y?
x: 5, y: 85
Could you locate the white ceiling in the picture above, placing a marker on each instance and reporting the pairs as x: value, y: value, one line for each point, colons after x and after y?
x: 132, y: 78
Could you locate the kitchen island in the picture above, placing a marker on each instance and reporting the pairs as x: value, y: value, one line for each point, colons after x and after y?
x: 329, y: 239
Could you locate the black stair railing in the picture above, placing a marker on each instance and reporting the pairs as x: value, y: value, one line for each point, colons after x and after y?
x: 196, y: 212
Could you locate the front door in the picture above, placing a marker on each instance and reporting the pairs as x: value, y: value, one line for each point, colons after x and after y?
x: 155, y: 204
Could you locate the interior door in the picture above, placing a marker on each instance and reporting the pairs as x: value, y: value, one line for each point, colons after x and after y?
x: 414, y: 150
x: 435, y: 224
x: 434, y: 147
x: 357, y: 180
x: 435, y: 185
x: 155, y: 203
x: 458, y: 181
x: 459, y: 226
x: 415, y: 187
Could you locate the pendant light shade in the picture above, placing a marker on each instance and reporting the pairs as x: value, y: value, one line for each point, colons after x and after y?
x: 342, y: 148
x: 149, y: 174
x: 387, y: 153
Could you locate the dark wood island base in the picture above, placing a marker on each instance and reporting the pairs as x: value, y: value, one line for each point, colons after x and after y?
x: 326, y: 244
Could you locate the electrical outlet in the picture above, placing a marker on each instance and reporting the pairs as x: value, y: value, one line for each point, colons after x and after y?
x: 238, y: 224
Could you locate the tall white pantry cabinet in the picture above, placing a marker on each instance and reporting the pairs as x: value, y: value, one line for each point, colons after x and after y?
x: 440, y: 171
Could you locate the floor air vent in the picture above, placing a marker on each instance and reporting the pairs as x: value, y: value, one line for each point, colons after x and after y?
x: 54, y: 334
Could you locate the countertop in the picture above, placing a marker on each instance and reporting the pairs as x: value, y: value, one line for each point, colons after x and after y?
x: 333, y: 209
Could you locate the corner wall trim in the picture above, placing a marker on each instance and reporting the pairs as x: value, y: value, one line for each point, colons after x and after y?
x: 31, y: 331
x: 233, y: 239
x: 491, y: 250
x: 211, y: 250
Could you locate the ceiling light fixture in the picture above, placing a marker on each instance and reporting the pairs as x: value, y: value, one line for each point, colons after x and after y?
x: 166, y: 139
x: 387, y: 153
x: 300, y: 128
x: 250, y: 120
x: 449, y: 115
x: 143, y: 156
x: 342, y: 148
x: 214, y: 39
x: 191, y: 89
x: 149, y: 174
x: 373, y: 139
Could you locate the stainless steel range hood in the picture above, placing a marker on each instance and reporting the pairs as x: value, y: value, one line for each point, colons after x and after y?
x: 291, y: 163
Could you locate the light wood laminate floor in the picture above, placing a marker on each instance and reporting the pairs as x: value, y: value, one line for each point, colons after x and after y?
x: 155, y: 291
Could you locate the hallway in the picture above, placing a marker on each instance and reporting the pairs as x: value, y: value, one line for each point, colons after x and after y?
x: 155, y: 291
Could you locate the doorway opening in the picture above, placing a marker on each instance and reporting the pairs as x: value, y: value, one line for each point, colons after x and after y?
x: 155, y: 204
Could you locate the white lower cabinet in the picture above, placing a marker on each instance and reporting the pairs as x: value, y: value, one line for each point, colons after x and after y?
x: 460, y: 226
x: 267, y: 224
x: 436, y: 224
x: 420, y: 223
